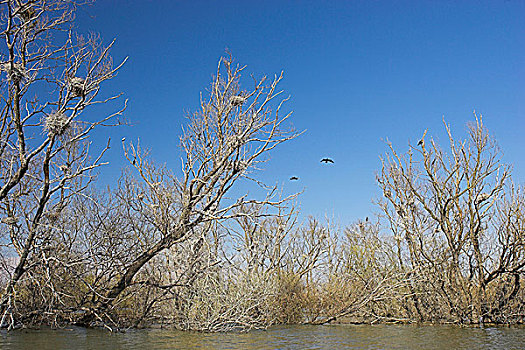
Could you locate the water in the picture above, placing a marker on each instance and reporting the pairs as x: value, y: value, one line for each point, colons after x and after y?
x: 286, y: 337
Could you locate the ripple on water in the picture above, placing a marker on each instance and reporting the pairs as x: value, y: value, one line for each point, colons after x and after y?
x: 285, y: 337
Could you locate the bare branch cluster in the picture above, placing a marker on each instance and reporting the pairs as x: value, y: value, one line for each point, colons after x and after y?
x: 451, y: 231
x: 222, y: 143
x: 184, y: 248
x: 45, y: 157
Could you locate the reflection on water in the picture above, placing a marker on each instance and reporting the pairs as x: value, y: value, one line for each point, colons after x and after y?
x: 286, y: 337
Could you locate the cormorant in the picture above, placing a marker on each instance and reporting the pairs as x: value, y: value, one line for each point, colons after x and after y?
x: 327, y: 160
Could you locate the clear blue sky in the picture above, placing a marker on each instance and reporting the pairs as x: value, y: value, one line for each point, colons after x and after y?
x: 357, y: 71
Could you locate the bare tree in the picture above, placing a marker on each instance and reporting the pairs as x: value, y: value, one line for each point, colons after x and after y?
x: 342, y: 274
x: 224, y: 142
x: 50, y: 78
x: 452, y: 233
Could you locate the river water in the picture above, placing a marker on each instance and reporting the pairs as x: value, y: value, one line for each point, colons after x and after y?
x: 286, y: 337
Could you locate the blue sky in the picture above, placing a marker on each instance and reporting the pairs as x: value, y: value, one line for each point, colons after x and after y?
x: 358, y: 72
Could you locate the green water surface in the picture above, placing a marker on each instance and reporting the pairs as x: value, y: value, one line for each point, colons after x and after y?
x: 286, y: 337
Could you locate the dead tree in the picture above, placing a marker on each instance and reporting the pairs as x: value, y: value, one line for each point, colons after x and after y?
x: 446, y: 212
x: 50, y: 78
x: 223, y: 143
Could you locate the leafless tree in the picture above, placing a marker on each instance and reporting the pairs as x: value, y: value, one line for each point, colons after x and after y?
x: 224, y: 143
x: 457, y: 221
x: 343, y: 274
x: 50, y: 78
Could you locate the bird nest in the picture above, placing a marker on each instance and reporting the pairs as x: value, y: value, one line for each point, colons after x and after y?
x: 237, y: 100
x: 76, y: 85
x: 15, y: 73
x: 9, y: 220
x: 56, y: 124
x: 26, y: 12
x: 53, y: 216
x: 481, y: 198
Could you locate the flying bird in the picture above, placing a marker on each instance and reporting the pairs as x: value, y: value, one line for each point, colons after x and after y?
x: 294, y: 178
x: 327, y: 160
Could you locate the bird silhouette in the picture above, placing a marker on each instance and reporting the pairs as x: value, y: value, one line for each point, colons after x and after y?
x: 327, y: 160
x: 420, y: 143
x: 294, y: 178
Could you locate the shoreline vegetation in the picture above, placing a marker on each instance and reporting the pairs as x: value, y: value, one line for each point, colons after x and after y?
x: 172, y: 247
